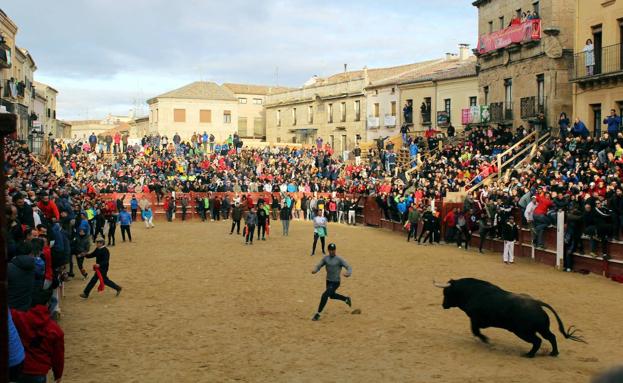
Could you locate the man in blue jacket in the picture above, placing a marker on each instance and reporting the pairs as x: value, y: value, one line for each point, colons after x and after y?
x: 125, y: 220
x: 134, y: 206
x: 614, y: 123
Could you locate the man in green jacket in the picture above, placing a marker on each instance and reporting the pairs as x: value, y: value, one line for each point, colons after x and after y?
x: 414, y: 218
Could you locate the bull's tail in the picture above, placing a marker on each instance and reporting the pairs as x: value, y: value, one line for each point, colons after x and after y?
x: 570, y: 332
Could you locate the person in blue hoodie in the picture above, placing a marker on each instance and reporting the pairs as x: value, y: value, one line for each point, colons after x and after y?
x: 614, y: 123
x: 134, y: 206
x: 579, y: 129
x: 125, y: 220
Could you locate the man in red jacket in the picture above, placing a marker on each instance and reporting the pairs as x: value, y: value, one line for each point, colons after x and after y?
x: 43, y: 342
x: 48, y: 208
x: 541, y: 219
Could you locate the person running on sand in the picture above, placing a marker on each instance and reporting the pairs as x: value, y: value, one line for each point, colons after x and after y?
x: 333, y: 264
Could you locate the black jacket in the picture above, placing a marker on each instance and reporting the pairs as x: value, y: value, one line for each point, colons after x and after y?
x: 21, y: 278
x: 102, y: 257
x: 24, y: 215
x: 510, y: 232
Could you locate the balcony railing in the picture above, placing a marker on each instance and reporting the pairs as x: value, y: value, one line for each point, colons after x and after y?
x: 515, y: 34
x: 599, y: 62
x: 426, y: 118
x: 496, y: 111
x: 531, y: 107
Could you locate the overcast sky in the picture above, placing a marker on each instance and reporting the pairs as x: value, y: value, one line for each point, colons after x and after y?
x: 105, y: 56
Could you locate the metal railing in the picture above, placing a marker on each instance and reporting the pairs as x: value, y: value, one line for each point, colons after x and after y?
x: 530, y: 107
x: 606, y: 60
x: 496, y: 111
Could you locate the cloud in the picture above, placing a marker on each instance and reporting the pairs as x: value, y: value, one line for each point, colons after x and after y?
x: 146, y: 45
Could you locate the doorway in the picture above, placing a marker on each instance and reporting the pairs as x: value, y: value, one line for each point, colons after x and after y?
x: 596, y: 119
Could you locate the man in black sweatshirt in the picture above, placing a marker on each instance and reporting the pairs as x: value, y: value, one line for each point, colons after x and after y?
x: 102, y: 262
x: 236, y: 216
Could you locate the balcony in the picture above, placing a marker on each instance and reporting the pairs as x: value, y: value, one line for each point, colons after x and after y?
x: 607, y: 65
x: 496, y: 111
x: 374, y: 122
x: 5, y: 54
x: 515, y: 35
x: 531, y: 108
x: 426, y: 118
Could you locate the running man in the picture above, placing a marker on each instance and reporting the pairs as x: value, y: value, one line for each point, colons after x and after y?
x: 334, y: 264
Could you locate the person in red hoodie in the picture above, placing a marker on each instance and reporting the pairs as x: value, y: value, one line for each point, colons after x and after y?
x: 541, y: 219
x: 44, y: 343
x: 48, y: 208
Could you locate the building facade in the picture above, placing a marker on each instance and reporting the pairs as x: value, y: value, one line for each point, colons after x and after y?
x: 341, y: 109
x: 46, y: 121
x: 251, y: 112
x: 195, y: 108
x: 599, y: 89
x: 525, y: 53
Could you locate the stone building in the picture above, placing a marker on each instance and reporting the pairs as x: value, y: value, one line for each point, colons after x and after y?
x: 524, y: 62
x: 596, y: 93
x: 251, y: 112
x: 337, y: 108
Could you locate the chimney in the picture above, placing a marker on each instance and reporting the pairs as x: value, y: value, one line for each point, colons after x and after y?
x: 450, y: 56
x: 463, y: 52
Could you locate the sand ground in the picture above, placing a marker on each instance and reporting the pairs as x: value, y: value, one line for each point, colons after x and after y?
x: 198, y: 306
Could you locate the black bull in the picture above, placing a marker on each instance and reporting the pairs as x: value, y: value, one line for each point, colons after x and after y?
x: 487, y: 305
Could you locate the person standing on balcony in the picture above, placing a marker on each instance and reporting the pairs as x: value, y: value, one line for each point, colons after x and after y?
x: 407, y: 112
x: 614, y: 123
x: 589, y: 57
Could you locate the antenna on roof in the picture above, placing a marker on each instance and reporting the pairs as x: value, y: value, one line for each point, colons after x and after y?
x: 345, y: 68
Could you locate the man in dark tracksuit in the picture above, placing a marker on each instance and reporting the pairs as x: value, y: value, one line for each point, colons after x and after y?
x: 334, y: 265
x: 236, y: 216
x: 251, y: 222
x: 262, y: 216
x: 102, y: 260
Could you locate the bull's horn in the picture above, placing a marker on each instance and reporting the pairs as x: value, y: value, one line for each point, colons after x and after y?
x: 440, y: 285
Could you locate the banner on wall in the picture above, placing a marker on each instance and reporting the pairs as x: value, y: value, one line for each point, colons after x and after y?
x: 529, y: 30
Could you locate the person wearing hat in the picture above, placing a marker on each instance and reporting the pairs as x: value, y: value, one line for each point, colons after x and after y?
x: 102, y: 263
x: 333, y: 263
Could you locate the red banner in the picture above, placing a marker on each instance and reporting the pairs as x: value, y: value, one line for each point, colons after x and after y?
x: 529, y: 30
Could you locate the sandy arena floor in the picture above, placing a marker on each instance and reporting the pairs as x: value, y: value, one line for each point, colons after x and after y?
x: 198, y: 306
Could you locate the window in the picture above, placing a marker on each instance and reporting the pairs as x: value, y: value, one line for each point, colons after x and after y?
x: 257, y: 101
x: 357, y: 110
x: 540, y: 89
x: 473, y: 101
x: 596, y: 119
x: 310, y: 114
x: 179, y: 115
x: 227, y: 117
x: 258, y: 127
x: 447, y: 105
x: 293, y: 116
x: 393, y: 90
x: 343, y: 112
x: 490, y: 26
x: 54, y: 114
x: 242, y: 126
x: 393, y: 108
x: 205, y: 116
x: 242, y: 100
x: 486, y: 92
x: 502, y: 25
x: 278, y: 118
x: 49, y: 113
x: 157, y: 115
x: 376, y: 109
x: 536, y: 8
x: 330, y: 114
x: 508, y: 93
x: 278, y: 139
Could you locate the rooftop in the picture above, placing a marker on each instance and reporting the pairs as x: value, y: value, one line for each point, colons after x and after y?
x: 199, y: 90
x: 254, y: 89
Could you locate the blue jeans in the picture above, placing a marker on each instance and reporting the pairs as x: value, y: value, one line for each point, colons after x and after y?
x: 33, y: 379
x: 541, y: 222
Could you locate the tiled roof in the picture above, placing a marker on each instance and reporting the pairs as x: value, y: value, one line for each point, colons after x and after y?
x: 200, y: 90
x: 447, y: 70
x: 254, y: 89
